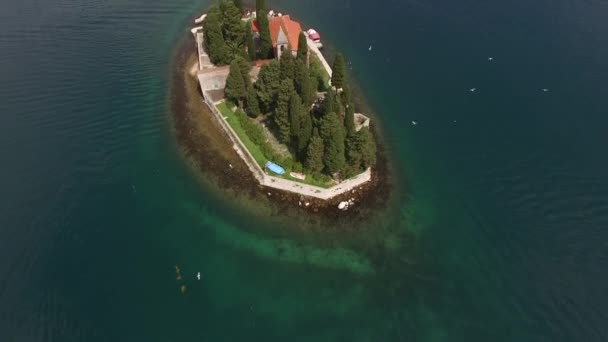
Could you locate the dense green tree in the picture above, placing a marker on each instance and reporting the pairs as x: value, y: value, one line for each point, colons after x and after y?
x: 305, y: 131
x: 239, y: 5
x: 281, y: 112
x: 265, y: 41
x: 245, y: 69
x: 214, y: 39
x: 332, y: 132
x: 302, y: 47
x: 349, y: 119
x: 303, y: 84
x: 232, y: 28
x: 330, y: 104
x: 314, y: 154
x: 361, y: 150
x: 235, y: 86
x: 253, y: 106
x: 251, y: 53
x: 260, y: 5
x: 295, y: 117
x: 267, y: 85
x: 346, y: 95
x: 288, y: 65
x: 338, y: 72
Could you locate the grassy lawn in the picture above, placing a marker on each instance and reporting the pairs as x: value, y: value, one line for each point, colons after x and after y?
x: 236, y: 126
x: 309, y: 179
x: 255, y: 150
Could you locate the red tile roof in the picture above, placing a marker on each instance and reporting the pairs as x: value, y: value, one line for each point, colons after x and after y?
x: 291, y: 28
x: 254, y: 26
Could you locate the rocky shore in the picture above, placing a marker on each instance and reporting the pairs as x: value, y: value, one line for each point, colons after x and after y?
x: 206, y: 146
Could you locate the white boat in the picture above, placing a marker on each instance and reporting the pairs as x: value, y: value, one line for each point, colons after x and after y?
x: 297, y: 175
x: 472, y: 89
x: 313, y: 35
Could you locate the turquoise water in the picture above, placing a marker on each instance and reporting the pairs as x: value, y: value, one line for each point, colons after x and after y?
x: 496, y: 231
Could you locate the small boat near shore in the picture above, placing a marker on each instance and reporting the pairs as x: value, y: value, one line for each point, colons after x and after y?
x: 298, y: 175
x: 315, y: 37
x: 275, y: 168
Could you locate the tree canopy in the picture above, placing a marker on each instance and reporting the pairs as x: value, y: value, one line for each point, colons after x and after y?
x: 235, y: 86
x: 338, y: 72
x: 253, y: 106
x: 281, y: 113
x: 303, y: 83
x: 332, y: 133
x: 265, y: 41
x: 314, y: 154
x: 302, y: 47
x: 251, y: 52
x: 361, y: 149
x: 260, y: 5
x: 267, y: 85
x: 213, y: 36
x: 224, y: 32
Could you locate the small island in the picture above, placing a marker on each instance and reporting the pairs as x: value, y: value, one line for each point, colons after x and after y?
x: 290, y: 116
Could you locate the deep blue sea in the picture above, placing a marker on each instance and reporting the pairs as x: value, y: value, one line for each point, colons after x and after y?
x: 499, y: 224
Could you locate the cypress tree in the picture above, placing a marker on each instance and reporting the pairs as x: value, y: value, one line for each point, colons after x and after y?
x: 303, y: 84
x: 368, y: 151
x: 251, y: 53
x: 361, y: 150
x: 281, y: 113
x: 314, y: 154
x: 253, y: 106
x: 214, y: 39
x: 288, y: 65
x: 267, y: 85
x: 232, y: 27
x: 239, y: 5
x: 265, y: 41
x: 235, y: 86
x: 245, y: 69
x: 295, y: 117
x: 338, y: 72
x: 260, y: 5
x: 329, y: 102
x: 346, y: 95
x: 349, y: 119
x: 332, y: 133
x: 302, y: 47
x: 305, y: 130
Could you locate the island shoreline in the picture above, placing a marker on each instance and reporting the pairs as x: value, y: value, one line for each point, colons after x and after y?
x: 200, y: 136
